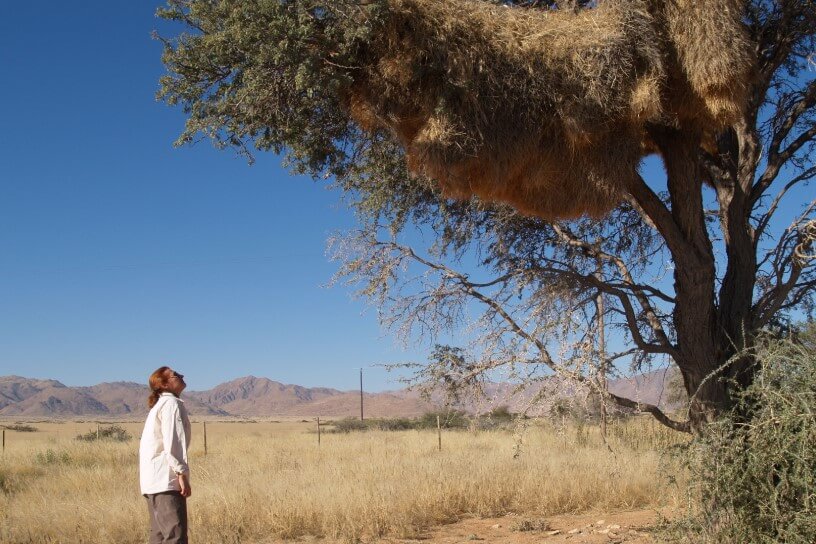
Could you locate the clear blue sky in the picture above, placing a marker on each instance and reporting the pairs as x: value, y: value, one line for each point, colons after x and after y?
x: 119, y: 253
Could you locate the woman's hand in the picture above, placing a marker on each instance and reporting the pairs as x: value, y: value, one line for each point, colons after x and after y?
x: 184, y: 485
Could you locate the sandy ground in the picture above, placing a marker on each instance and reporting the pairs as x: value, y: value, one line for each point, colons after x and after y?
x: 630, y: 527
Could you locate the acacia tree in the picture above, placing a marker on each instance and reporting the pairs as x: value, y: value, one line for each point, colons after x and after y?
x: 275, y: 75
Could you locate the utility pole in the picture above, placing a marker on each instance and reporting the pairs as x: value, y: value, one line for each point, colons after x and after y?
x: 361, y: 393
x: 601, y: 351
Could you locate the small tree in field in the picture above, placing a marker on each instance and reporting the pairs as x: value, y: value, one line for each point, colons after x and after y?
x: 535, y: 119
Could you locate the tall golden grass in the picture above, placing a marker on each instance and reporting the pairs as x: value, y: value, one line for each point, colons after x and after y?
x: 259, y: 482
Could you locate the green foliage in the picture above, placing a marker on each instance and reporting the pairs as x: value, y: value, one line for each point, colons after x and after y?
x: 267, y: 72
x: 111, y: 432
x: 564, y: 408
x: 275, y: 75
x: 52, y: 457
x: 395, y: 424
x: 350, y: 424
x: 257, y: 74
x: 756, y: 473
x: 448, y: 419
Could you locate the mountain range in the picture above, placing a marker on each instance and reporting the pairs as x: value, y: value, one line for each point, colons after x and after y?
x: 251, y: 396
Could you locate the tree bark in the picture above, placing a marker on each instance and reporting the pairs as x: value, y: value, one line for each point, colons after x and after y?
x: 695, y: 312
x: 735, y: 321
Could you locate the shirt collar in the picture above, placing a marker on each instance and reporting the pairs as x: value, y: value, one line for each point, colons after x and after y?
x: 166, y: 394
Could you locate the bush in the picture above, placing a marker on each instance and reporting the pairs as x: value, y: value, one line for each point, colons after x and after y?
x: 111, y: 432
x: 53, y: 457
x: 448, y: 419
x: 21, y: 428
x: 757, y: 474
x: 395, y: 424
x: 349, y: 424
x: 501, y: 413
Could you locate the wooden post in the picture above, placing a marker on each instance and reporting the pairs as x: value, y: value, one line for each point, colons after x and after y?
x: 97, y: 431
x: 564, y: 429
x: 361, y: 394
x: 439, y: 432
x: 318, y: 430
x: 205, y: 438
x: 4, y: 441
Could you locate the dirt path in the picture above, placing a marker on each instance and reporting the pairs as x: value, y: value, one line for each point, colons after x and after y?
x: 621, y: 527
x: 629, y: 527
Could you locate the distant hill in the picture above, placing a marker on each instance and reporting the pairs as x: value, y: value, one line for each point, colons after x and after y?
x: 47, y: 397
x: 14, y: 389
x: 252, y: 396
x: 650, y: 387
x: 26, y: 397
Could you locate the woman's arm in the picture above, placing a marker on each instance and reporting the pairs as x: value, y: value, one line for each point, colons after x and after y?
x: 175, y: 444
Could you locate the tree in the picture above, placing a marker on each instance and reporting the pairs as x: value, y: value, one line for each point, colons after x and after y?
x: 545, y: 143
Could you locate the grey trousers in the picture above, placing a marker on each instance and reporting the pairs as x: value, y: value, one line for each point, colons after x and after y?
x: 168, y: 518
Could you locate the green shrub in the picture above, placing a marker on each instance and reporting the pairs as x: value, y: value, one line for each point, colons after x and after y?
x: 52, y: 457
x: 499, y: 418
x: 349, y: 424
x: 448, y: 419
x: 395, y: 424
x: 756, y: 475
x: 111, y: 432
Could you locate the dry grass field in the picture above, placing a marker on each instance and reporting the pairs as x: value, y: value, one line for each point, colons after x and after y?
x: 265, y: 481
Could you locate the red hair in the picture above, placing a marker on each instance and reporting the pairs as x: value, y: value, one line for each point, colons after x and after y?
x: 157, y: 383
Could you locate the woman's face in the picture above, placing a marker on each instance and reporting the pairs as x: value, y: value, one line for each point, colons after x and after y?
x: 175, y: 382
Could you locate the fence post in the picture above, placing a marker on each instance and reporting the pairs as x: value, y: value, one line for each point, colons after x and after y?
x: 4, y: 441
x: 97, y: 431
x: 318, y: 430
x: 439, y: 432
x: 205, y: 438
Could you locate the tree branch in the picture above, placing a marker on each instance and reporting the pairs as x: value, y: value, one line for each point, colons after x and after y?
x: 765, y: 219
x: 657, y: 413
x: 658, y: 215
x: 623, y: 270
x: 777, y: 157
x: 793, y: 253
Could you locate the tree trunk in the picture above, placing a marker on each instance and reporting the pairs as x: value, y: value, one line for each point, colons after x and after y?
x: 735, y: 325
x: 695, y: 313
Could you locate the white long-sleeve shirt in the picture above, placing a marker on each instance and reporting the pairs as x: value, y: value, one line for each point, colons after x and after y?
x: 163, y: 447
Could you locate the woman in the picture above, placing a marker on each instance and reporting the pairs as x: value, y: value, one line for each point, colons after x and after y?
x: 163, y: 472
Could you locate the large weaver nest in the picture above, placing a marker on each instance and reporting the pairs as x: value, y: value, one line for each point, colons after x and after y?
x: 547, y: 110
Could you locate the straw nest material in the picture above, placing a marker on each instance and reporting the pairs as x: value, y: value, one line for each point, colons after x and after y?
x: 544, y: 110
x: 710, y: 61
